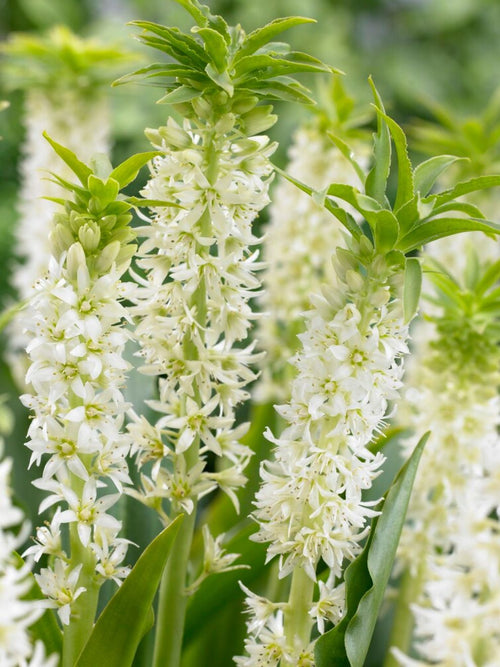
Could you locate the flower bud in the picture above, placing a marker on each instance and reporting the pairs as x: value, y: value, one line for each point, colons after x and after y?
x: 74, y: 260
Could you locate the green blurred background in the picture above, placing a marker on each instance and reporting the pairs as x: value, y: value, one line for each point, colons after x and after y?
x: 416, y: 51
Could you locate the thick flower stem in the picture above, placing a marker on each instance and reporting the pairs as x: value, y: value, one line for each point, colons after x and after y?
x: 402, y: 627
x: 173, y: 599
x: 84, y: 608
x: 298, y: 623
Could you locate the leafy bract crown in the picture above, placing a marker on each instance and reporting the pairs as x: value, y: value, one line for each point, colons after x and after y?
x: 60, y: 59
x: 224, y: 63
x: 398, y: 226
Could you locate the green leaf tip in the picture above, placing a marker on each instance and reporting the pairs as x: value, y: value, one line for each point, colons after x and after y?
x: 113, y: 642
x: 59, y: 60
x: 215, y: 58
x: 347, y: 644
x: 79, y: 168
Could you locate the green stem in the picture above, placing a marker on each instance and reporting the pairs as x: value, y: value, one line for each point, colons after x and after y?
x: 297, y: 621
x: 84, y: 609
x: 173, y: 599
x: 402, y: 627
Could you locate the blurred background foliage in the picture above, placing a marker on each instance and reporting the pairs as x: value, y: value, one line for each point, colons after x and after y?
x: 419, y: 52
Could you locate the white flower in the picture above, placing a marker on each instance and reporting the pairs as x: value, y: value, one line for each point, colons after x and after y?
x: 60, y: 586
x: 310, y: 506
x: 192, y: 306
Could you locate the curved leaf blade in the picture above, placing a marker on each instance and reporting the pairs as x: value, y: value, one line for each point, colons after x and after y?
x: 127, y: 171
x: 81, y: 170
x: 431, y: 230
x: 347, y: 644
x: 113, y: 641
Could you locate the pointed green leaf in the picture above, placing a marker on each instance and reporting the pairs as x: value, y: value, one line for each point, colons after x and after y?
x: 412, y: 287
x: 464, y: 188
x: 127, y: 171
x: 215, y: 46
x: 386, y: 230
x: 222, y: 79
x: 184, y: 45
x: 338, y: 212
x: 464, y: 207
x: 427, y: 172
x: 81, y: 170
x: 406, y: 188
x: 262, y: 36
x: 489, y: 278
x: 376, y: 180
x: 280, y: 90
x: 346, y: 645
x: 439, y: 228
x: 179, y: 95
x: 346, y: 151
x: 293, y: 62
x: 122, y: 624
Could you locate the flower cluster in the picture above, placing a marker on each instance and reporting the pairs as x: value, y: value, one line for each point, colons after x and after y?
x: 193, y: 304
x: 450, y: 544
x: 298, y: 244
x: 64, y: 96
x: 310, y: 506
x: 17, y: 613
x: 77, y: 373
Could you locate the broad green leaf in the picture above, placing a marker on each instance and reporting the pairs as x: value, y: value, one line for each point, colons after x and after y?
x: 215, y: 46
x: 347, y: 644
x: 427, y: 172
x: 181, y: 94
x: 386, y: 231
x: 263, y: 35
x: 127, y: 171
x: 412, y: 287
x: 406, y: 188
x: 464, y: 188
x: 289, y: 91
x: 105, y: 192
x: 376, y: 180
x: 222, y: 79
x: 293, y: 62
x: 124, y: 620
x: 440, y: 227
x: 81, y: 170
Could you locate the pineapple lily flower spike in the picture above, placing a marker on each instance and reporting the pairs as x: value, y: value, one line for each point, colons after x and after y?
x: 192, y: 300
x: 311, y: 507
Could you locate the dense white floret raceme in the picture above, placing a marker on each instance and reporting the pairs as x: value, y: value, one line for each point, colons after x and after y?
x: 450, y: 545
x: 310, y: 506
x: 193, y: 306
x: 77, y: 373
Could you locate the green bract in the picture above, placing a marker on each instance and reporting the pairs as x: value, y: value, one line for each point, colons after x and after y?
x: 416, y: 217
x: 58, y: 60
x: 223, y: 64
